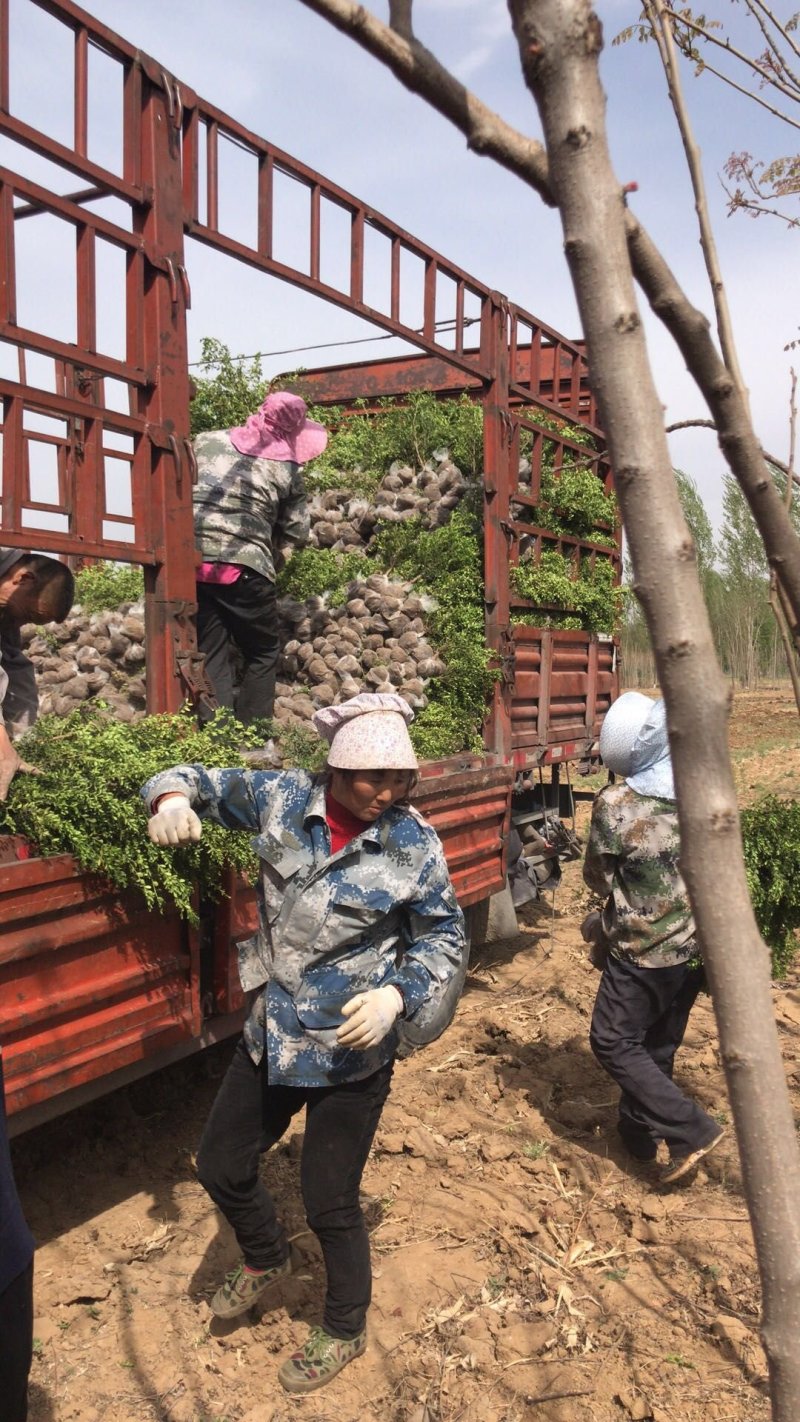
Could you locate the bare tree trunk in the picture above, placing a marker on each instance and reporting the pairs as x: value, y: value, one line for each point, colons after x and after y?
x: 559, y: 43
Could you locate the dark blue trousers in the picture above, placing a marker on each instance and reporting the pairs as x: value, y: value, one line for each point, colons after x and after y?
x: 16, y: 1345
x: 638, y: 1024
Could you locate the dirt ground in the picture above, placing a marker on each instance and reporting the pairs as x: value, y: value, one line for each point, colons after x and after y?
x: 524, y: 1268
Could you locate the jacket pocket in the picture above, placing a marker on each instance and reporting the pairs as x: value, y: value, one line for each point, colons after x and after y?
x: 363, y: 909
x: 320, y: 1013
x: 280, y: 867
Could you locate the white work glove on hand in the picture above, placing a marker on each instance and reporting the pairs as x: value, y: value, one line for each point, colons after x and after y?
x: 175, y: 822
x: 370, y: 1016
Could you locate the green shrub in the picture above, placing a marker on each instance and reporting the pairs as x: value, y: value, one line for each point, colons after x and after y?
x: 86, y: 801
x: 591, y: 600
x: 409, y: 433
x: 311, y: 572
x: 576, y: 503
x: 771, y: 835
x: 228, y: 390
x: 301, y: 746
x: 447, y: 562
x: 102, y: 587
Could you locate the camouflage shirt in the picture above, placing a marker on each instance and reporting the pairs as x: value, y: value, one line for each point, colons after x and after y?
x: 632, y: 861
x: 382, y: 910
x: 245, y: 508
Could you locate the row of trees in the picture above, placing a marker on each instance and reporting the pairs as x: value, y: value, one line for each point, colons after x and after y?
x: 734, y: 577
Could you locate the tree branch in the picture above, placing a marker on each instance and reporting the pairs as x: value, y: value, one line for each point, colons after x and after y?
x: 400, y: 18
x: 487, y: 134
x: 750, y: 94
x: 790, y: 91
x: 657, y: 16
x: 709, y: 425
x: 737, y: 201
x: 763, y: 18
x: 420, y: 71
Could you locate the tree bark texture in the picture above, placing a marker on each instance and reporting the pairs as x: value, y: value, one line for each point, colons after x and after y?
x: 559, y: 43
x: 487, y: 134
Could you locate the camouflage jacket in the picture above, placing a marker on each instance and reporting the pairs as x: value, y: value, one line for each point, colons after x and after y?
x: 246, y: 508
x: 380, y: 911
x: 632, y: 861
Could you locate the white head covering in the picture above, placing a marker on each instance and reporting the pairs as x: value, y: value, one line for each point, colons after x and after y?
x: 635, y: 745
x: 368, y: 732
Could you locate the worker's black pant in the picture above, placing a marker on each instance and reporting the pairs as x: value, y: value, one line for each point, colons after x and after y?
x: 638, y: 1023
x: 16, y: 1346
x: 240, y: 616
x: 250, y: 1115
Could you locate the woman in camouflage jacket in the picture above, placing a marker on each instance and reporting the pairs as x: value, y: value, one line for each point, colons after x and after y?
x: 358, y: 927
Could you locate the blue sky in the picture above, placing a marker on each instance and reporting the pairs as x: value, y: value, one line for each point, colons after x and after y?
x: 285, y: 73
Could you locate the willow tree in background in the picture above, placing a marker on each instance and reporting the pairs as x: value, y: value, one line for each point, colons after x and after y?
x: 638, y: 662
x: 559, y: 44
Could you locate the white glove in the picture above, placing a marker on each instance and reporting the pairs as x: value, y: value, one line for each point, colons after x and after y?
x: 371, y: 1016
x: 175, y: 822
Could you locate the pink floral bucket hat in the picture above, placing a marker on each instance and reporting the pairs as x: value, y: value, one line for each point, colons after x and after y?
x: 280, y: 429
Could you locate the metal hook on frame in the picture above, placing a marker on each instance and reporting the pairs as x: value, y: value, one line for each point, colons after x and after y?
x: 173, y: 280
x: 187, y: 290
x: 192, y: 459
x: 176, y: 455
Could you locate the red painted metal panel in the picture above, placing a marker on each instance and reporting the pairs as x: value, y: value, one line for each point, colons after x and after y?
x: 564, y: 684
x: 89, y: 979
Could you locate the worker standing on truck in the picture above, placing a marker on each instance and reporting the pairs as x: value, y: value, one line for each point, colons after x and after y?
x: 645, y: 937
x: 33, y: 588
x: 16, y: 1287
x: 358, y: 927
x: 250, y: 513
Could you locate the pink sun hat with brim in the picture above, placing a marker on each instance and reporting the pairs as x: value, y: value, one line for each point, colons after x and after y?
x: 280, y: 429
x: 368, y: 732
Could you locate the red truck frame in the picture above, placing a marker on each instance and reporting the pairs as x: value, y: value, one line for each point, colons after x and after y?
x: 93, y: 988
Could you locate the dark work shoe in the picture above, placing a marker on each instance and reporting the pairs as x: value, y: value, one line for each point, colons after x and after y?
x: 681, y: 1165
x: 637, y: 1143
x: 320, y: 1360
x: 242, y: 1288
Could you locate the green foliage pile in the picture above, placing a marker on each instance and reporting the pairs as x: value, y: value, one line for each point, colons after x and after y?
x: 575, y: 503
x: 103, y: 587
x: 771, y: 835
x: 447, y: 562
x: 311, y: 572
x: 227, y: 391
x: 591, y: 601
x: 86, y: 801
x: 301, y: 746
x: 362, y: 448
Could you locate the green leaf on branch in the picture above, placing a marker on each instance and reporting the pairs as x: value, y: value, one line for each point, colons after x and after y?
x: 86, y: 800
x: 771, y: 836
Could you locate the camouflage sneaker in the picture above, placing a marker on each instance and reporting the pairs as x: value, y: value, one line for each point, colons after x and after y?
x: 241, y: 1288
x: 321, y: 1359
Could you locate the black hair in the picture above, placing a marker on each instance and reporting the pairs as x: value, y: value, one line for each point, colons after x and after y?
x: 54, y: 585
